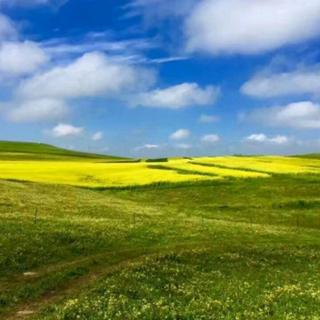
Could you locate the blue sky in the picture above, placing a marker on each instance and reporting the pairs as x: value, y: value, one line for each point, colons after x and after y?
x: 150, y: 78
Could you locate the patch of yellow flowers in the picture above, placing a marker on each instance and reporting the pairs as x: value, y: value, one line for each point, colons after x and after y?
x: 97, y: 174
x: 267, y: 164
x: 195, y: 166
x: 91, y: 174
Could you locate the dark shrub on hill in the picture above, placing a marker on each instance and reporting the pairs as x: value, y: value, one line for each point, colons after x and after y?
x: 157, y: 160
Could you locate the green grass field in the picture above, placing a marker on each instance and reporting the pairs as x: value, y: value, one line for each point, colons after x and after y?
x: 13, y: 150
x: 203, y: 238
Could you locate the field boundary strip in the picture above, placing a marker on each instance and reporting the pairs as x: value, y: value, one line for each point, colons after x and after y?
x: 205, y: 164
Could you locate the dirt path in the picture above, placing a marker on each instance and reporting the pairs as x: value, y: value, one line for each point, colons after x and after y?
x: 131, y: 257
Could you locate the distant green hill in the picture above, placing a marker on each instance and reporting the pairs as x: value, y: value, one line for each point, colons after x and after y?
x: 14, y: 150
x: 309, y: 156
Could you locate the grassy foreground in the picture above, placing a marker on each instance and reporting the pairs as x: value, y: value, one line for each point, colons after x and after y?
x: 217, y: 248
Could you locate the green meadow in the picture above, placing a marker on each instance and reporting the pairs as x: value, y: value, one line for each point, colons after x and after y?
x: 244, y: 246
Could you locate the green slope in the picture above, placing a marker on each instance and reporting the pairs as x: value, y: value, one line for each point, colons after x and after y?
x: 309, y: 156
x: 11, y: 150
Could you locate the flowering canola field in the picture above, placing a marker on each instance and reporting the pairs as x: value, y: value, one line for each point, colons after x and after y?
x: 268, y: 164
x: 90, y: 174
x: 99, y: 174
x: 217, y: 171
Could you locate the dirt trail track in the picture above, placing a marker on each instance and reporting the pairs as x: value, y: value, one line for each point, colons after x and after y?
x: 72, y: 287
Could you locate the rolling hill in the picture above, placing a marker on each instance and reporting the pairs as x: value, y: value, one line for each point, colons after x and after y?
x: 88, y: 236
x: 11, y: 150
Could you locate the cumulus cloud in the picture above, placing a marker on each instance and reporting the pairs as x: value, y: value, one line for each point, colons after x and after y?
x: 91, y: 75
x: 177, y: 97
x: 210, y: 138
x: 180, y: 134
x: 279, y: 140
x: 251, y: 26
x: 20, y: 58
x: 205, y: 118
x: 257, y: 137
x: 97, y: 136
x: 66, y: 130
x: 7, y: 28
x: 262, y: 138
x: 37, y: 110
x: 147, y: 147
x: 298, y: 115
x: 297, y: 82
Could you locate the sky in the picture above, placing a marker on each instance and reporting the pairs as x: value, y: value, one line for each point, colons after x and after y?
x: 156, y: 78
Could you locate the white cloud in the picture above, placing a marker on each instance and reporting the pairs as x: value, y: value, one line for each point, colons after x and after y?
x: 147, y: 147
x: 180, y: 134
x: 279, y: 140
x: 205, y: 118
x: 210, y: 138
x: 298, y: 115
x: 7, y: 28
x: 44, y: 96
x: 298, y: 82
x: 151, y: 146
x: 167, y: 59
x: 19, y: 58
x: 89, y: 76
x: 257, y: 137
x: 121, y: 50
x: 177, y: 97
x: 251, y: 26
x: 66, y: 130
x: 262, y: 138
x: 37, y: 110
x: 97, y: 136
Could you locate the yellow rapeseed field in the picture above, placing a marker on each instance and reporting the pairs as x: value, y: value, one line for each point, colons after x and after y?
x: 193, y: 166
x: 268, y: 164
x: 90, y: 174
x: 97, y: 174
